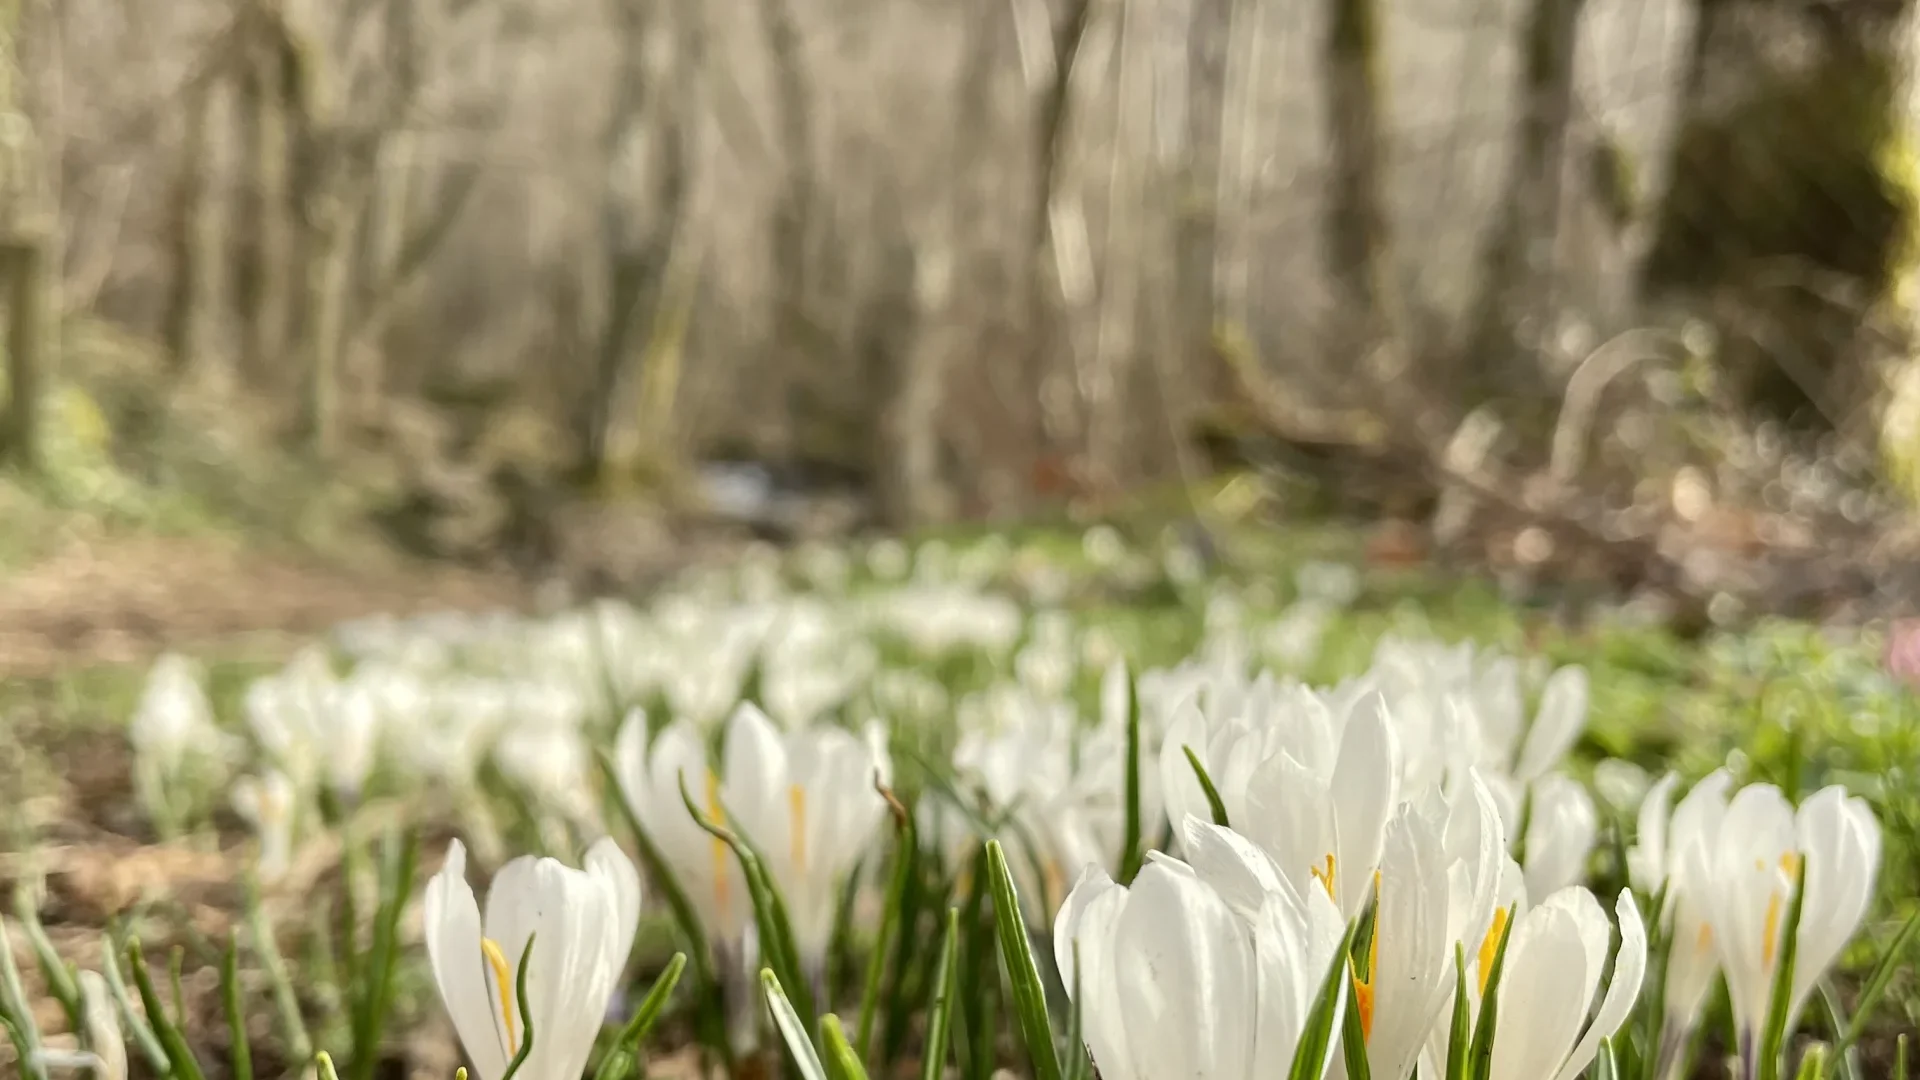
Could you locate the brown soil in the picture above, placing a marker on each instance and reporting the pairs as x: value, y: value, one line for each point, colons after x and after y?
x: 117, y: 600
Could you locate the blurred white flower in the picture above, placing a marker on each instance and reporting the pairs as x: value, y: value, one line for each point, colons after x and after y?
x: 267, y: 803
x: 1330, y: 583
x: 172, y: 732
x: 1670, y: 853
x: 106, y: 1048
x: 581, y: 924
x: 1561, y: 830
x: 1103, y: 546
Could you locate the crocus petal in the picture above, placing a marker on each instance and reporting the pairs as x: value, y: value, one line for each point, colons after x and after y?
x: 1629, y: 969
x: 452, y: 930
x: 1557, y: 726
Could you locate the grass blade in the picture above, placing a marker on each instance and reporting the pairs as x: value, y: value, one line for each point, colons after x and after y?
x: 1310, y: 1056
x: 180, y: 1060
x: 946, y: 974
x: 1029, y: 996
x: 1480, y: 1060
x: 61, y: 984
x: 241, y: 1055
x: 17, y: 1012
x: 1877, y: 982
x: 842, y: 1063
x: 906, y: 849
x: 383, y: 956
x: 1214, y: 804
x: 793, y: 1030
x: 769, y: 910
x: 1460, y: 1028
x: 131, y: 1020
x: 1080, y: 1061
x: 1774, y: 1039
x: 710, y: 1014
x: 625, y: 1056
x: 526, y: 1011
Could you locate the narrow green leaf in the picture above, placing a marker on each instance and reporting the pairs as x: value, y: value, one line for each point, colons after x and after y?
x: 1481, y: 1057
x: 266, y: 946
x: 842, y: 1063
x: 1131, y: 852
x: 180, y: 1060
x: 946, y: 976
x: 710, y: 1014
x: 1604, y: 1065
x: 1353, y: 1036
x: 1877, y: 982
x: 323, y: 1065
x: 1813, y: 1063
x: 18, y: 1011
x: 61, y: 984
x: 906, y: 849
x: 1843, y: 1064
x: 1900, y: 1058
x: 241, y: 1056
x: 1460, y: 1029
x: 132, y: 1021
x: 627, y: 1046
x: 793, y: 1029
x: 526, y: 1011
x: 1773, y: 1040
x: 1029, y: 997
x: 1316, y: 1038
x: 383, y: 954
x: 769, y: 910
x: 1214, y: 804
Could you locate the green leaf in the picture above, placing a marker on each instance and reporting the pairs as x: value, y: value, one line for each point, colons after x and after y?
x: 1843, y: 1064
x: 1131, y: 852
x: 1604, y: 1065
x: 769, y: 910
x: 842, y: 1063
x: 793, y: 1030
x: 241, y: 1055
x: 946, y: 976
x: 373, y: 1001
x: 132, y: 1020
x: 906, y: 851
x: 1016, y: 952
x: 1480, y: 1059
x: 1813, y: 1063
x: 1900, y: 1058
x: 1316, y: 1037
x: 18, y: 1013
x: 1460, y: 1029
x: 266, y: 947
x: 710, y: 1014
x: 1877, y: 982
x: 323, y: 1065
x: 180, y: 1060
x: 1774, y: 1039
x: 625, y: 1056
x: 526, y: 1011
x: 1214, y: 804
x: 61, y: 984
x: 1353, y: 1036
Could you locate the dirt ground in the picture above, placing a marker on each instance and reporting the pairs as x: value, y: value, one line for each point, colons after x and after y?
x: 119, y: 600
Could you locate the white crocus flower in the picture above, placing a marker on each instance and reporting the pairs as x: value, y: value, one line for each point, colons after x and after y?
x: 172, y: 729
x: 1324, y: 821
x: 650, y: 780
x: 1747, y: 875
x: 581, y: 923
x: 1562, y: 827
x: 1551, y: 975
x: 1671, y: 852
x: 1428, y: 900
x: 807, y: 799
x: 268, y: 802
x: 1206, y: 970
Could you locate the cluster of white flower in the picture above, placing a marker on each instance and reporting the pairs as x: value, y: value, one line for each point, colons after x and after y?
x: 1427, y: 794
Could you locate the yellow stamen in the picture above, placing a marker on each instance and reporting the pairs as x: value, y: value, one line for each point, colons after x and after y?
x: 1490, y: 946
x: 720, y: 853
x: 1705, y: 941
x: 503, y: 987
x: 1056, y: 882
x: 797, y: 803
x: 1324, y: 874
x: 1771, y: 942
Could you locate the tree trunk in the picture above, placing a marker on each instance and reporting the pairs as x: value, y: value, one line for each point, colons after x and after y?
x: 1356, y: 236
x: 1198, y: 188
x: 24, y: 257
x: 195, y: 240
x: 266, y: 256
x: 1513, y: 312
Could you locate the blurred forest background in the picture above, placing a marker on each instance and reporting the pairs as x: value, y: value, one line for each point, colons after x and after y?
x: 1611, y: 292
